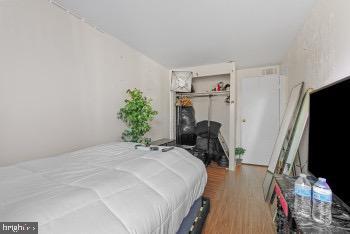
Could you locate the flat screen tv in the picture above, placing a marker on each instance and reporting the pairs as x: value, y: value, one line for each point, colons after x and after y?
x: 329, y: 137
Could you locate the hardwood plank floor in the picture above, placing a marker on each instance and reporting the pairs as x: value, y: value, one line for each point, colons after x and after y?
x: 237, y: 203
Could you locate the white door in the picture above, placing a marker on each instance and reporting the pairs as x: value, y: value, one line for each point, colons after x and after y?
x: 260, y: 103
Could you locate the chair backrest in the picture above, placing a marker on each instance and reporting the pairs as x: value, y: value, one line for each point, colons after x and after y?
x: 201, y: 129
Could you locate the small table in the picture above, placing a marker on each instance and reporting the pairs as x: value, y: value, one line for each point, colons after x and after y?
x: 169, y: 142
x: 164, y: 142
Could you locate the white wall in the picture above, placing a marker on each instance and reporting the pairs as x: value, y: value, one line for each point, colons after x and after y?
x: 62, y: 82
x: 321, y: 52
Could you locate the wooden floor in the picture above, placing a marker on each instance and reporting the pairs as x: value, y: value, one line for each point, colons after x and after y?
x: 237, y: 204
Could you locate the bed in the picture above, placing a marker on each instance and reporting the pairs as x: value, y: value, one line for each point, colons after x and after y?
x: 110, y: 188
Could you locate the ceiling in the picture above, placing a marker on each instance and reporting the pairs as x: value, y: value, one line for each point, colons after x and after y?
x: 181, y: 33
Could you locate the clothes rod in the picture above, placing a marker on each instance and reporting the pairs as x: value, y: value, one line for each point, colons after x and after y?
x: 204, y: 94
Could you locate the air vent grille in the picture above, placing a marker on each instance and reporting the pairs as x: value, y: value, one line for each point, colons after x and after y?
x: 269, y: 71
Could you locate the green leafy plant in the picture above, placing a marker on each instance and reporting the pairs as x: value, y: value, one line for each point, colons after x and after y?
x: 137, y: 113
x: 239, y: 151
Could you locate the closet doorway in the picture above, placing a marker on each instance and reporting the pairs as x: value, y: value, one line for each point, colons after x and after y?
x: 220, y: 108
x: 260, y: 117
x: 225, y: 111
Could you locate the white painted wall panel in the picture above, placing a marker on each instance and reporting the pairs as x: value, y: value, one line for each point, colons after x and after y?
x: 62, y: 82
x: 320, y: 53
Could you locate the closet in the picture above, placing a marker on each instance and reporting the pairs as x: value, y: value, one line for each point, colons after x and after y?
x: 217, y: 107
x: 210, y: 102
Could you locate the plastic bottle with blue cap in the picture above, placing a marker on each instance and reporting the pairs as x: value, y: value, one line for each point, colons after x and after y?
x: 322, y: 202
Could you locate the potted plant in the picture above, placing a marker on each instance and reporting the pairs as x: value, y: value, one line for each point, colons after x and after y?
x: 239, y: 151
x: 137, y: 113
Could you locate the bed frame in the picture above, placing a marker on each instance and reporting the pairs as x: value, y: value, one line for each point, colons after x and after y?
x: 194, y: 221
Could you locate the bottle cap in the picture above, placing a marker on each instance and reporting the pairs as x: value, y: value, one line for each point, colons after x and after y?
x: 302, y: 175
x: 322, y: 179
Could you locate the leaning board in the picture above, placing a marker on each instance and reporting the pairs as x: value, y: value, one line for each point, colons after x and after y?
x: 298, y: 131
x: 223, y: 144
x: 285, y: 125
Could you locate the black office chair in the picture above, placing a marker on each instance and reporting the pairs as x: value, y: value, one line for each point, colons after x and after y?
x: 202, y: 127
x: 208, y: 140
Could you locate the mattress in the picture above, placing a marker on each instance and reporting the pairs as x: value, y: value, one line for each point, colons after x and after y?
x: 110, y: 188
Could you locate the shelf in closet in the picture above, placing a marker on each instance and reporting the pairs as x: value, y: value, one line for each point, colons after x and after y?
x: 204, y: 94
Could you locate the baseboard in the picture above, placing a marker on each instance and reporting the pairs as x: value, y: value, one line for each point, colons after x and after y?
x: 257, y: 165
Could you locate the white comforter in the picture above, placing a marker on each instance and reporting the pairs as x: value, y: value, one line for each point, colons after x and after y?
x: 110, y: 188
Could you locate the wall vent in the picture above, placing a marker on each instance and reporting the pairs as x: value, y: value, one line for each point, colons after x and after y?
x: 269, y: 71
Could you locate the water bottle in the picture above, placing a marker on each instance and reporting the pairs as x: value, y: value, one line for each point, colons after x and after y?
x: 302, y: 196
x: 322, y: 202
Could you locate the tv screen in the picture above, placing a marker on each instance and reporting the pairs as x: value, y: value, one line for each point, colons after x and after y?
x: 329, y: 137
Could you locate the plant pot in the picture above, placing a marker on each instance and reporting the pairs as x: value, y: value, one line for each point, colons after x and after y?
x: 239, y: 161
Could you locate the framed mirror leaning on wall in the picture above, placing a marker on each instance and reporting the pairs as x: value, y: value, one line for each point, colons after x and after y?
x: 283, y: 138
